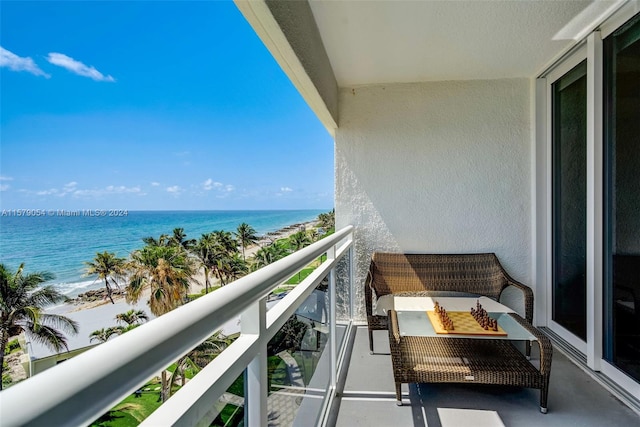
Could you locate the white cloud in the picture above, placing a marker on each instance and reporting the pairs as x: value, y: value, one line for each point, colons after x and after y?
x: 174, y: 189
x: 72, y: 189
x: 4, y: 187
x: 229, y: 188
x: 77, y: 67
x: 286, y: 189
x: 210, y: 184
x: 110, y: 189
x: 17, y: 63
x: 5, y: 178
x: 155, y: 184
x: 121, y: 189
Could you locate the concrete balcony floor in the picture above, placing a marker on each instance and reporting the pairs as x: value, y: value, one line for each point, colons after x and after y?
x: 575, y: 399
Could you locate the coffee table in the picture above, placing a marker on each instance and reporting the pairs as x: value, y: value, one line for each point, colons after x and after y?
x: 420, y: 355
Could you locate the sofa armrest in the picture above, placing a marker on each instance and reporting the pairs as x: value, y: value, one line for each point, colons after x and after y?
x: 394, y: 334
x: 368, y: 294
x: 546, y: 350
x: 528, y: 296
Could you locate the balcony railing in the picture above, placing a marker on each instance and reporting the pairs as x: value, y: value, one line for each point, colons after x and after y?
x: 87, y: 386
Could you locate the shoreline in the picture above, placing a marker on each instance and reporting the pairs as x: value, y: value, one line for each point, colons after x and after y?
x: 198, y: 283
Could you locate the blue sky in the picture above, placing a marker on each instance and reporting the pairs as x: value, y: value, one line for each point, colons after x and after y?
x: 151, y: 105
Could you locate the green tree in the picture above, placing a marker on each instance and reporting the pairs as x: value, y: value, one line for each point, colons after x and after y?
x: 224, y: 248
x: 200, y: 356
x: 22, y: 300
x: 179, y: 238
x: 166, y: 271
x: 103, y: 335
x: 289, y: 337
x: 299, y: 240
x: 109, y: 268
x: 328, y: 219
x: 232, y: 268
x: 132, y: 317
x: 269, y: 254
x: 246, y: 235
x: 204, y: 251
x: 163, y: 240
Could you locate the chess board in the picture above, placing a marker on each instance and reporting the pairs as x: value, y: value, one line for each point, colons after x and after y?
x: 463, y: 323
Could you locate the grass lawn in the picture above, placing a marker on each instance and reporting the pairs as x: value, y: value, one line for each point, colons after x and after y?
x: 237, y: 387
x: 132, y: 410
x: 299, y: 277
x: 231, y: 415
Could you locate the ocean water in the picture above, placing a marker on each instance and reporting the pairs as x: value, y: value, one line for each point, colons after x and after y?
x: 61, y: 244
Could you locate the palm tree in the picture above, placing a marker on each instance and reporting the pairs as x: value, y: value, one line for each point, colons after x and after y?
x: 200, y: 356
x: 103, y: 335
x: 268, y: 254
x: 232, y: 268
x: 328, y: 220
x: 179, y: 238
x: 299, y: 240
x: 165, y: 270
x: 109, y: 268
x: 227, y: 243
x: 210, y: 348
x: 313, y: 235
x: 203, y: 251
x: 163, y: 240
x: 22, y: 301
x: 132, y: 317
x: 224, y: 248
x: 246, y: 236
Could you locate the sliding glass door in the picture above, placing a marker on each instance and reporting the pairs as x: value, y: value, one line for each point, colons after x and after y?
x: 622, y: 199
x: 569, y: 197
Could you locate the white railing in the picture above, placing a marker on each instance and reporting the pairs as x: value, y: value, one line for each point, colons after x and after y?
x: 88, y: 385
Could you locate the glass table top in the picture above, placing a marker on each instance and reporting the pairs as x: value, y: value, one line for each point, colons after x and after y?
x: 417, y: 323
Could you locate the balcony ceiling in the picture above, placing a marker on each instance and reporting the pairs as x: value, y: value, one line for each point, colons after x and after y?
x: 403, y: 41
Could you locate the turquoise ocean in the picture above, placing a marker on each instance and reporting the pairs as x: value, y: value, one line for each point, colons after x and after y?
x: 61, y: 244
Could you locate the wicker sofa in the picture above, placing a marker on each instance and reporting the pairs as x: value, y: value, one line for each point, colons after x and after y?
x: 398, y: 274
x: 419, y: 359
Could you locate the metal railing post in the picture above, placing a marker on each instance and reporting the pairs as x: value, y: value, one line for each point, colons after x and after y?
x: 352, y: 281
x: 332, y: 323
x: 253, y: 322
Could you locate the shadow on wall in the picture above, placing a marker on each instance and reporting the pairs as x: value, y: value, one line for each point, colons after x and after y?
x: 371, y: 232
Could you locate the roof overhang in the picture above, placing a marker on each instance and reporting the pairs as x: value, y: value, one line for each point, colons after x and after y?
x: 324, y: 45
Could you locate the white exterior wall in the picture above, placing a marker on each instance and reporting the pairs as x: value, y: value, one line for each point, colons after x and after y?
x: 440, y: 167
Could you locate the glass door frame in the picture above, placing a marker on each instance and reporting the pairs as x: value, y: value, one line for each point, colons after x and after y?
x: 590, y: 48
x: 578, y: 56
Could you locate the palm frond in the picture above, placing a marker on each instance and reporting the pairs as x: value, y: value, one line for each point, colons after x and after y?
x: 58, y: 321
x: 48, y: 336
x: 46, y: 296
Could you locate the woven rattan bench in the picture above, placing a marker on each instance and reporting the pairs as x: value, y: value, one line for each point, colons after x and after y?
x: 423, y: 359
x: 392, y: 274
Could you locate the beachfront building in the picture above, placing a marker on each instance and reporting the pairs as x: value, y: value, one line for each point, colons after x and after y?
x: 506, y: 127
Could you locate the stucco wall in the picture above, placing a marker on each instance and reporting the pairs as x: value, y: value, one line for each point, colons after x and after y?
x: 441, y: 167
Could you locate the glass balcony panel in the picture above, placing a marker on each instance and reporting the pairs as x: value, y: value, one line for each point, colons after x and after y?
x: 299, y: 363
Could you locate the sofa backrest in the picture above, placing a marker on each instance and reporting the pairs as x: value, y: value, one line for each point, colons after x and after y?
x: 479, y: 274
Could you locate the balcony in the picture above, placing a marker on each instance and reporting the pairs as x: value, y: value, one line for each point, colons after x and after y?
x: 331, y: 377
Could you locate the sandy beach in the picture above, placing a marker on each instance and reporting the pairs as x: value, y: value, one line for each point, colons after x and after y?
x: 197, y: 284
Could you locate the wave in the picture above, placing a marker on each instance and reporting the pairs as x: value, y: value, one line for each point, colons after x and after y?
x: 73, y: 289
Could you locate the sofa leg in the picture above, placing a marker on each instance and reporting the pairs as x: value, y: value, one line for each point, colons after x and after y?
x: 544, y: 391
x: 370, y: 341
x: 399, y: 394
